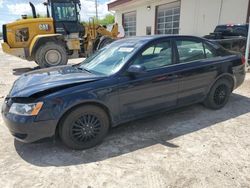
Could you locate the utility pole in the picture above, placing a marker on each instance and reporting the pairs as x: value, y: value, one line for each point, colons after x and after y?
x: 221, y: 5
x: 96, y: 10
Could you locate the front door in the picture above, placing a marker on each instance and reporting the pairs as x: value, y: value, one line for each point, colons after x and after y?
x: 153, y: 90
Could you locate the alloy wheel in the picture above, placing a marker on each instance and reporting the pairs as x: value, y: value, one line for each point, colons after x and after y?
x: 85, y: 128
x: 220, y: 94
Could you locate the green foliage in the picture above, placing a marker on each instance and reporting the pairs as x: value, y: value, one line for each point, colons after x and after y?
x: 107, y: 20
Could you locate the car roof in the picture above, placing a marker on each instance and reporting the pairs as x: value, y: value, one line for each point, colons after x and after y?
x: 140, y: 40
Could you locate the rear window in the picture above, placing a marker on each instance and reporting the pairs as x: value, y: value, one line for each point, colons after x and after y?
x: 232, y: 30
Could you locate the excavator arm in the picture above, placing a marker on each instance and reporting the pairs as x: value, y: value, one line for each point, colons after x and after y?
x: 104, y: 32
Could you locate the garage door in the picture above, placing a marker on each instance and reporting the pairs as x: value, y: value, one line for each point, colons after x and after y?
x: 168, y: 18
x: 129, y: 23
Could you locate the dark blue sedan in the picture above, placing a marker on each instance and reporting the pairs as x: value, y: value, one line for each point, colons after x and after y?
x: 127, y: 80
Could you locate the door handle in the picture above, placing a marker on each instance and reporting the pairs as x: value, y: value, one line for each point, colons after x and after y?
x: 212, y: 68
x: 174, y: 76
x: 167, y: 77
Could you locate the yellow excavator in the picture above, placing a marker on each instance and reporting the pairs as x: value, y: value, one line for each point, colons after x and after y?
x: 60, y: 36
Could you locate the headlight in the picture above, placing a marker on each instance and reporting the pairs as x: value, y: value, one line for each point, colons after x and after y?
x: 31, y: 109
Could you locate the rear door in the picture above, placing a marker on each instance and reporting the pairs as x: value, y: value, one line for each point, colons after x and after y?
x: 196, y: 62
x: 155, y: 89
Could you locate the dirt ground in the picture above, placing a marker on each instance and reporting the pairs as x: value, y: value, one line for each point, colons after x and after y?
x: 191, y: 147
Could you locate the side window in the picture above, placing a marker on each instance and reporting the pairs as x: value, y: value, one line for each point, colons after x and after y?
x: 156, y: 56
x: 210, y: 53
x: 190, y: 50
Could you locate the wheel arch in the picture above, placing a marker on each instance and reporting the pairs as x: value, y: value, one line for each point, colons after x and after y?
x: 226, y: 76
x: 94, y: 103
x: 42, y: 39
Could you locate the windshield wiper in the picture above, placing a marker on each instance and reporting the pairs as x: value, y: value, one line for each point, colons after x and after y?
x: 80, y: 68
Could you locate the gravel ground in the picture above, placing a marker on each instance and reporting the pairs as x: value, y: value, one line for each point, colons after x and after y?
x: 190, y: 147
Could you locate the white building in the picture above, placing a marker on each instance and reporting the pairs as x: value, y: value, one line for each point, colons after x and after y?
x: 194, y: 17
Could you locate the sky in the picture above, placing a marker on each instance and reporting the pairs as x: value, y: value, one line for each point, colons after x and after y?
x: 10, y: 10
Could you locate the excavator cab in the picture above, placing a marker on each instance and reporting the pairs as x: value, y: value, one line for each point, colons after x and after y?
x: 66, y: 16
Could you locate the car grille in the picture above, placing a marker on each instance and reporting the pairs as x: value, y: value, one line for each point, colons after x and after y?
x: 5, y: 33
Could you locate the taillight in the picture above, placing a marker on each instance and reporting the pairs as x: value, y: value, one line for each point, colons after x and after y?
x: 243, y: 60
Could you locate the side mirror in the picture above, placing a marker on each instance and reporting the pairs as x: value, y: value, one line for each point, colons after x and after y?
x: 137, y: 69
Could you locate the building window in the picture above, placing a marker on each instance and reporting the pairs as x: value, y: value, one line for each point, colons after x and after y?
x: 168, y: 18
x: 129, y: 23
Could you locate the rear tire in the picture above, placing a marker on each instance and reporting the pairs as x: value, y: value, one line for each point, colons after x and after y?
x: 104, y: 42
x: 51, y: 54
x: 219, y: 94
x: 84, y: 127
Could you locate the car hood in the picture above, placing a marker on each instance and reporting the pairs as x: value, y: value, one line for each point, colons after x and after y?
x: 46, y: 79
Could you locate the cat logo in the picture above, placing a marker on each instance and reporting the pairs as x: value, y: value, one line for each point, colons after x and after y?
x: 44, y: 27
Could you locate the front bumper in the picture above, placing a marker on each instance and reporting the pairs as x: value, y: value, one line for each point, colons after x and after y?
x: 26, y: 128
x: 18, y: 52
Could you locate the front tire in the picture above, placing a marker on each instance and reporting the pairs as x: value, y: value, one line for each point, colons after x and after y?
x: 50, y: 55
x: 219, y: 94
x: 84, y: 127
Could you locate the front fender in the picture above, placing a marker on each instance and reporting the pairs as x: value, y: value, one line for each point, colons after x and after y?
x: 56, y: 108
x: 38, y: 39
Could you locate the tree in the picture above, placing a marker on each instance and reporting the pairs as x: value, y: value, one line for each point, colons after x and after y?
x: 107, y: 20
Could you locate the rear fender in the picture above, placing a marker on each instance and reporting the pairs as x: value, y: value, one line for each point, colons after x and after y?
x: 227, y: 76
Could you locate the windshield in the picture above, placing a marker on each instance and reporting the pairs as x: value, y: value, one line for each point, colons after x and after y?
x: 109, y: 60
x: 65, y: 12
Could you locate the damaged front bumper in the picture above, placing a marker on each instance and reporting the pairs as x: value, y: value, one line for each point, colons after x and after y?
x: 26, y: 128
x: 18, y: 52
